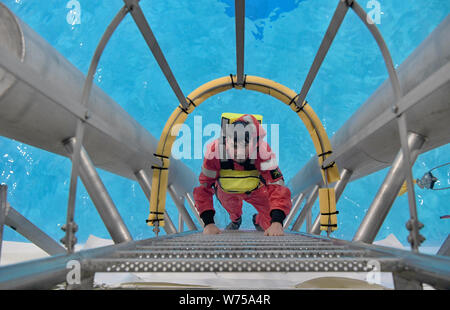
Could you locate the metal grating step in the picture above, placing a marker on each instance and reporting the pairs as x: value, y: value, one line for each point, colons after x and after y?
x: 236, y: 265
x: 238, y: 242
x: 240, y: 254
x: 226, y: 248
x: 240, y: 235
x: 241, y: 241
x: 243, y: 251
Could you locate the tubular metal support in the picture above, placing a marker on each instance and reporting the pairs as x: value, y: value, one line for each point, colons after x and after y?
x: 308, y: 205
x: 180, y: 223
x: 181, y: 208
x: 80, y: 127
x: 100, y: 197
x: 372, y: 27
x: 315, y: 229
x: 342, y: 183
x: 387, y: 193
x: 27, y: 229
x: 240, y: 38
x: 146, y: 186
x: 308, y: 220
x: 445, y: 247
x: 414, y: 237
x: 54, y: 89
x: 413, y: 225
x: 152, y: 43
x: 366, y: 142
x: 45, y: 273
x: 393, y: 77
x: 3, y: 210
x: 332, y: 30
x: 144, y: 182
x: 338, y: 190
x: 295, y: 206
x: 191, y: 203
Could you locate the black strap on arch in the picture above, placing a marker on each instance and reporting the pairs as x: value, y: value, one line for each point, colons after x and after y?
x: 191, y: 101
x: 325, y: 153
x: 159, y: 155
x: 293, y: 102
x: 232, y: 82
x: 332, y: 213
x: 159, y: 168
x: 329, y: 225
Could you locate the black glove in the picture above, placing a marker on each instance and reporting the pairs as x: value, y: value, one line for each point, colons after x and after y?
x: 277, y: 216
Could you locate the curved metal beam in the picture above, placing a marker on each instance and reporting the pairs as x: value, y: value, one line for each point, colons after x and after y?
x: 415, y: 238
x: 79, y: 133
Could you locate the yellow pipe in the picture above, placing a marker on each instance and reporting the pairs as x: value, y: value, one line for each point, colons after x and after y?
x: 207, y: 90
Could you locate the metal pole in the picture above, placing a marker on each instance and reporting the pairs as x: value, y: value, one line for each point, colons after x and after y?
x: 413, y: 224
x: 445, y: 247
x: 181, y: 208
x: 330, y: 34
x: 308, y: 205
x: 240, y: 38
x: 100, y: 197
x: 47, y: 272
x: 70, y: 228
x: 338, y: 190
x: 42, y: 73
x: 294, y: 210
x: 387, y: 193
x: 191, y: 203
x: 315, y: 229
x: 342, y: 183
x: 180, y: 223
x: 3, y: 206
x: 30, y: 231
x: 373, y: 127
x: 308, y: 220
x: 146, y: 186
x: 150, y: 39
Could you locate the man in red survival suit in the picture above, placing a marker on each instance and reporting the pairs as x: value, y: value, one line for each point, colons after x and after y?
x: 241, y: 166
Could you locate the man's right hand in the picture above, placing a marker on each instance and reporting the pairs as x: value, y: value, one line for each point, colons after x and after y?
x: 211, y: 229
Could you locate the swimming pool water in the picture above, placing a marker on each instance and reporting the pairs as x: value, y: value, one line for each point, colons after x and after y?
x: 198, y: 39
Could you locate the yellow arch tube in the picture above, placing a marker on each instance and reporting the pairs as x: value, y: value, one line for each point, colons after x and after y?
x: 207, y: 90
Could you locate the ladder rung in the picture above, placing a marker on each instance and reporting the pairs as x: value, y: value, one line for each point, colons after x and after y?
x: 142, y: 254
x: 238, y: 265
x: 256, y: 247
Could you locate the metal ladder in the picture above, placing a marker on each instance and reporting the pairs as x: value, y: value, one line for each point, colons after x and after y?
x: 242, y: 251
x: 235, y: 252
x: 251, y: 251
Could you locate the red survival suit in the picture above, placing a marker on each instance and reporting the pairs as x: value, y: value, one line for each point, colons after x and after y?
x: 272, y: 199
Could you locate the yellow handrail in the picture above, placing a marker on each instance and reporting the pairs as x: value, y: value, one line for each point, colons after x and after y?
x: 178, y: 117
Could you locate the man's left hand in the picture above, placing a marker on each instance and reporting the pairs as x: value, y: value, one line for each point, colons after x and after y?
x: 275, y: 229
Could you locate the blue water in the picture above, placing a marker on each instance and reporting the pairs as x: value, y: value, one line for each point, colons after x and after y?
x: 198, y: 40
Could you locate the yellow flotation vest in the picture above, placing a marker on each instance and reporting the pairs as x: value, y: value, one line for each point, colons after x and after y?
x: 237, y: 181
